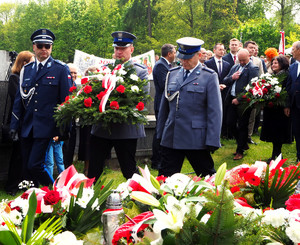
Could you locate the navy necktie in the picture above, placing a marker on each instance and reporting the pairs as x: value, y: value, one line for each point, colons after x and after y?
x: 186, y: 74
x: 40, y: 67
x: 220, y: 68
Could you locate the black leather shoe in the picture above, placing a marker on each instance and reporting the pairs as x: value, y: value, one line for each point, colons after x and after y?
x: 250, y: 141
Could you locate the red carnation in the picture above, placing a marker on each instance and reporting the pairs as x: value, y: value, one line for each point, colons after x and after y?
x: 72, y: 89
x: 277, y: 95
x: 263, y: 81
x: 114, y: 105
x: 253, y: 84
x: 88, y: 102
x: 250, y: 90
x: 244, y: 96
x: 87, y: 89
x: 67, y: 98
x: 293, y: 202
x: 140, y: 106
x: 84, y: 80
x: 51, y: 197
x: 265, y: 90
x: 100, y: 95
x: 248, y: 100
x: 235, y: 189
x: 120, y: 89
x: 270, y: 104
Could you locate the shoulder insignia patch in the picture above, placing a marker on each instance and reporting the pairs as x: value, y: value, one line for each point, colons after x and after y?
x: 208, y: 69
x: 60, y: 62
x: 175, y: 68
x: 140, y: 65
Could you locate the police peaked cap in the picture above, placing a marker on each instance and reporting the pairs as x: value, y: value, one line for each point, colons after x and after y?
x: 122, y: 38
x: 42, y: 36
x: 188, y: 47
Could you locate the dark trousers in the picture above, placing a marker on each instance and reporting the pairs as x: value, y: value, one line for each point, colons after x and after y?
x: 15, y: 171
x: 237, y: 120
x: 156, y: 149
x: 100, y: 150
x: 33, y: 154
x: 172, y: 160
x: 69, y: 147
x: 295, y: 115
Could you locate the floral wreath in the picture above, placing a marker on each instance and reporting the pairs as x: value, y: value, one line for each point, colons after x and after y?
x: 113, y: 94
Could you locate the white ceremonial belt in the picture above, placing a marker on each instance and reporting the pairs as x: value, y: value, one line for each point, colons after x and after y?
x: 172, y: 97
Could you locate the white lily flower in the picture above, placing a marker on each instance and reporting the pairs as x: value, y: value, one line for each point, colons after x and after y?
x: 145, y: 198
x: 170, y: 220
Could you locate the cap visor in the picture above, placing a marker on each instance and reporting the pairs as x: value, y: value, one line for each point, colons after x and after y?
x: 184, y: 56
x: 121, y: 45
x: 42, y: 42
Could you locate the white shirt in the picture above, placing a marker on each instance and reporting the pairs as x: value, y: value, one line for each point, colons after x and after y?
x: 298, y: 71
x: 190, y: 71
x: 43, y: 63
x: 166, y: 60
x: 217, y: 63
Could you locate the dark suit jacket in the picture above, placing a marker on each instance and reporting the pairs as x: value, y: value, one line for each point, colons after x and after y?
x: 249, y: 72
x: 160, y: 71
x: 225, y: 70
x: 229, y: 59
x: 293, y: 86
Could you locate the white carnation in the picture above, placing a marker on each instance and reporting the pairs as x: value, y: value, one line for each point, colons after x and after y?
x: 277, y: 89
x: 122, y: 72
x: 66, y: 237
x: 276, y: 217
x: 135, y: 88
x: 120, y: 79
x: 292, y: 231
x: 273, y: 81
x: 134, y: 77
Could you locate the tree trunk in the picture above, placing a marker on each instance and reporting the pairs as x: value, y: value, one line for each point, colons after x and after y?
x: 149, y: 18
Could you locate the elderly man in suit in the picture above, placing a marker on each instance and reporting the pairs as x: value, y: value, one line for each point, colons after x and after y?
x: 237, y: 119
x: 160, y: 70
x: 43, y: 84
x: 190, y: 114
x: 231, y: 57
x: 293, y: 88
x: 122, y: 136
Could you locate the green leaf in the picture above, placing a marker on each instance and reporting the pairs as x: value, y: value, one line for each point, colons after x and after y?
x: 28, y: 223
x: 220, y: 174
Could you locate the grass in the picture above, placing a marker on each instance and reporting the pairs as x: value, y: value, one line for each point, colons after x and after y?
x: 261, y: 151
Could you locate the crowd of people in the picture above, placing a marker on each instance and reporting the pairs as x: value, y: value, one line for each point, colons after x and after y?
x: 196, y: 103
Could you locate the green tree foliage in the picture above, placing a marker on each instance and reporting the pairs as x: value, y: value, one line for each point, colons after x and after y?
x: 86, y: 25
x: 264, y: 33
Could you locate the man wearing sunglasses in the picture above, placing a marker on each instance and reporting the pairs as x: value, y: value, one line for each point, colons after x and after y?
x: 43, y: 84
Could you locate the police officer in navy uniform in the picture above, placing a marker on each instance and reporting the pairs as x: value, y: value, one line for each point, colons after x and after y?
x: 43, y: 84
x: 190, y: 114
x: 122, y: 136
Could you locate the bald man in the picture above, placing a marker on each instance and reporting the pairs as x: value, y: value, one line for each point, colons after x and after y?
x: 237, y: 119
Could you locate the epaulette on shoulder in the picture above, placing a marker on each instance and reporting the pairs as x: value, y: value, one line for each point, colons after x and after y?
x: 29, y: 64
x: 208, y: 69
x: 175, y: 68
x: 60, y: 62
x: 140, y: 65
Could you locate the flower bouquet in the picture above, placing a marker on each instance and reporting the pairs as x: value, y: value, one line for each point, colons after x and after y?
x: 74, y: 203
x: 114, y: 94
x: 263, y: 185
x: 264, y: 91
